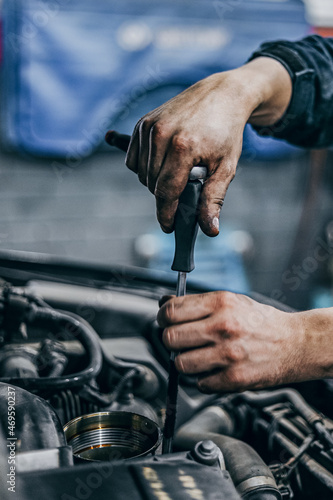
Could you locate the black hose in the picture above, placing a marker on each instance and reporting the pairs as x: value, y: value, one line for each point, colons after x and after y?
x: 113, y: 362
x: 81, y: 331
x: 263, y: 398
x: 248, y: 471
x: 319, y: 472
x: 116, y: 363
x: 104, y: 400
x: 58, y: 367
x: 122, y: 384
x: 311, y: 416
x: 41, y: 314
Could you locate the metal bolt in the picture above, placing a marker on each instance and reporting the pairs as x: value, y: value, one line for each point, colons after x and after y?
x: 206, y: 447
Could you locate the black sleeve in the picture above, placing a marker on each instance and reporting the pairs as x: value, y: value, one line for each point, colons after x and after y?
x: 308, y: 121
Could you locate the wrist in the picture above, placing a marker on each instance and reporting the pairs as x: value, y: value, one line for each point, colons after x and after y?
x: 268, y: 90
x: 242, y: 88
x: 316, y: 328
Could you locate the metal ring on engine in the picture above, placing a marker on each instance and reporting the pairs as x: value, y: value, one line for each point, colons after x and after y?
x: 114, y: 435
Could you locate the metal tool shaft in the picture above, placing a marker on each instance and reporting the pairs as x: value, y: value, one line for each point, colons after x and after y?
x: 181, y: 284
x: 173, y: 378
x: 180, y: 292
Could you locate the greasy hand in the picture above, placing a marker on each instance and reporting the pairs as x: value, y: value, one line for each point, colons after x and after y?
x: 202, y: 125
x: 232, y: 342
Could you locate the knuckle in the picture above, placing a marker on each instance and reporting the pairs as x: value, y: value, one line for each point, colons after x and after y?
x: 211, y: 197
x: 169, y: 311
x: 234, y: 353
x: 168, y: 338
x: 180, y: 364
x: 162, y: 192
x: 237, y: 379
x: 226, y: 299
x: 151, y: 184
x: 218, y: 300
x: 145, y: 124
x: 215, y: 200
x: 205, y: 387
x: 229, y: 171
x: 137, y: 126
x: 231, y: 168
x: 232, y: 175
x: 181, y: 143
x: 162, y: 320
x: 160, y: 131
x: 228, y: 327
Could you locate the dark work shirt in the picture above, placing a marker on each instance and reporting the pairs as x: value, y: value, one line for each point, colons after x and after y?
x: 308, y: 121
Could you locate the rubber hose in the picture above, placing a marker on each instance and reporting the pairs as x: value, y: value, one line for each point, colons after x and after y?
x: 247, y: 469
x: 311, y: 416
x: 318, y: 471
x: 81, y: 331
x: 261, y: 399
x: 107, y: 399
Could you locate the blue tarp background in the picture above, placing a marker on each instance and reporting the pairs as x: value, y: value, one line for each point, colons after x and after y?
x: 74, y: 68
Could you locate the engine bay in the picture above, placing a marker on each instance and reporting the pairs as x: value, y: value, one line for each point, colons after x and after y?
x: 83, y: 381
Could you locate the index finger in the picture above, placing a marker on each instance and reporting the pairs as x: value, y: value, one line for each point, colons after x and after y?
x: 188, y: 308
x: 133, y: 149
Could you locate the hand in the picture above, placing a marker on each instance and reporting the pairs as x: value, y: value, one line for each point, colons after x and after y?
x: 204, y: 125
x: 234, y: 343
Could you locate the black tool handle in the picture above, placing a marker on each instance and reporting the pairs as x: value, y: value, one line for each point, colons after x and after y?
x: 186, y: 227
x: 120, y: 141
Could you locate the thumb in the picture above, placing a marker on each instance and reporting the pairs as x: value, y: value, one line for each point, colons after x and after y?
x: 212, y: 199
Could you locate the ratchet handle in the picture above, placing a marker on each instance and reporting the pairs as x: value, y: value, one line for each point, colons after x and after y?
x: 186, y: 227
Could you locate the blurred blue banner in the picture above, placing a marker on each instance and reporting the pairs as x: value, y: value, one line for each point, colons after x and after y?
x: 74, y: 68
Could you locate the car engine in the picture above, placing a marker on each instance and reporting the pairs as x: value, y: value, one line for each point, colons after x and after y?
x: 83, y: 381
